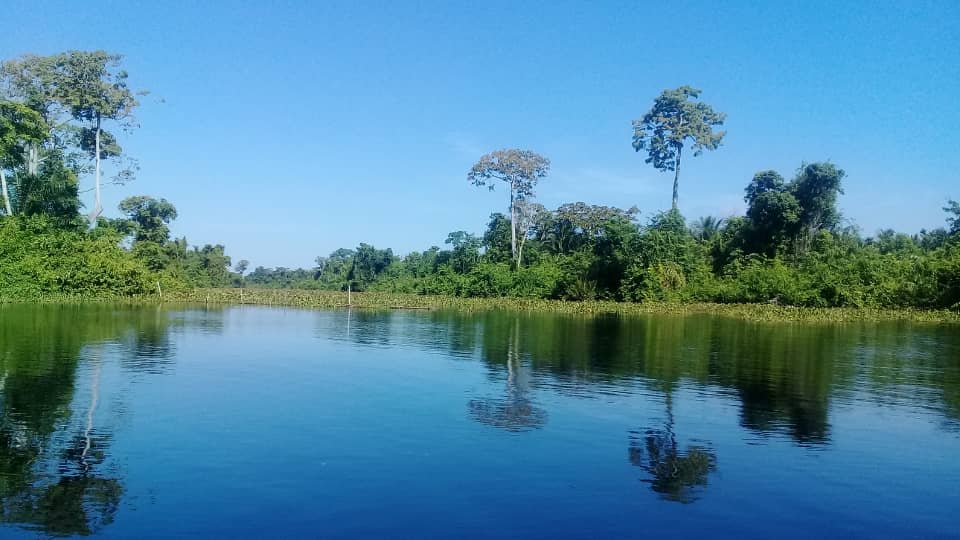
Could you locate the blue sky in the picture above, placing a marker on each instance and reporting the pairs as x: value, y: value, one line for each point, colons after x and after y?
x: 287, y: 129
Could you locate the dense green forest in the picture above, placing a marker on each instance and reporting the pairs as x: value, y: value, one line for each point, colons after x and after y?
x: 62, y: 118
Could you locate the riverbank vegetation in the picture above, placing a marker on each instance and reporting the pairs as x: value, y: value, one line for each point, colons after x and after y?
x: 62, y: 118
x: 209, y: 298
x: 381, y: 301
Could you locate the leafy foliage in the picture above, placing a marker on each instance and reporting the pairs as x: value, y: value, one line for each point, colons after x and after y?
x: 675, y: 120
x: 148, y: 218
x: 579, y: 252
x: 38, y: 258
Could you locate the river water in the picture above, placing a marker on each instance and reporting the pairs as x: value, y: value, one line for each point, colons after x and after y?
x: 251, y: 422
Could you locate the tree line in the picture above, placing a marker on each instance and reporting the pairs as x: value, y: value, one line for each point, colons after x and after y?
x: 62, y: 117
x: 791, y: 246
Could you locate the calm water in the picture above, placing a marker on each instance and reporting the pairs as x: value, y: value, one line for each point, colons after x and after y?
x: 275, y: 423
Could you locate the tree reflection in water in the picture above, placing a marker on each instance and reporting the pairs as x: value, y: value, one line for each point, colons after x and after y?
x: 676, y: 475
x: 55, y: 477
x: 515, y: 411
x: 80, y: 502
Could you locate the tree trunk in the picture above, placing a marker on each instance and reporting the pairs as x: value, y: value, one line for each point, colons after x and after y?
x: 97, y: 207
x: 523, y: 238
x: 6, y: 195
x: 33, y: 159
x: 513, y: 225
x: 676, y: 179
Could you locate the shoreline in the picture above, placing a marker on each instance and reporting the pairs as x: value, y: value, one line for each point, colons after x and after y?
x: 321, y: 299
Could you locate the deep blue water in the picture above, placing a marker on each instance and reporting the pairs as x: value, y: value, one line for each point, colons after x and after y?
x: 255, y: 422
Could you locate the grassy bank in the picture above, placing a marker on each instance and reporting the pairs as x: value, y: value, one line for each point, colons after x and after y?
x: 374, y: 300
x: 377, y: 300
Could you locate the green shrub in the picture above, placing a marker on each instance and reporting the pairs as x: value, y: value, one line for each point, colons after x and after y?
x: 539, y: 281
x: 37, y: 258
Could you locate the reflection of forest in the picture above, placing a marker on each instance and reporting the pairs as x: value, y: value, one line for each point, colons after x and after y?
x: 56, y: 475
x: 53, y: 475
x: 784, y: 375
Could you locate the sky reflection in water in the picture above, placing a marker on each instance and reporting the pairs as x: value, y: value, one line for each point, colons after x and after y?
x: 251, y: 422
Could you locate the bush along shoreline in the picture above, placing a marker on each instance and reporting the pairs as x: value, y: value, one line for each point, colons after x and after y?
x: 62, y: 113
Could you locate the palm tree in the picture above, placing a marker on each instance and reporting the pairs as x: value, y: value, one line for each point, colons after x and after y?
x: 707, y: 228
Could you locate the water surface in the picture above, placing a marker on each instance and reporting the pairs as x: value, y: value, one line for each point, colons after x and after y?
x: 256, y: 422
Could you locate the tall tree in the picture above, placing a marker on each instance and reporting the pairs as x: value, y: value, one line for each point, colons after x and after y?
x: 520, y: 169
x: 94, y: 88
x: 45, y: 177
x: 20, y: 127
x: 241, y: 268
x: 675, y: 119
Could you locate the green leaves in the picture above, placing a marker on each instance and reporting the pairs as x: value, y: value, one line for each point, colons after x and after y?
x: 19, y: 124
x: 92, y: 85
x: 674, y: 121
x: 149, y: 217
x: 55, y: 110
x: 52, y: 192
x: 38, y: 258
x: 786, y: 215
x: 816, y: 188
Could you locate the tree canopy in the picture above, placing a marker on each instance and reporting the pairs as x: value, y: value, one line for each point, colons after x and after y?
x: 74, y: 93
x: 675, y: 120
x: 521, y: 170
x: 149, y: 217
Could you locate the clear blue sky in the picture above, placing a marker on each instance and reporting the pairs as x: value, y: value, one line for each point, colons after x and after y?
x: 288, y: 129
